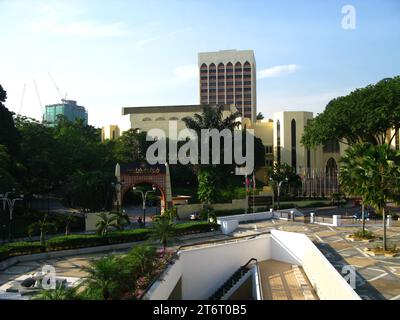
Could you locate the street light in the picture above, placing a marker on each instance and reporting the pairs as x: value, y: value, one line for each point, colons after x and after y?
x: 144, y: 196
x: 11, y: 204
x: 279, y: 188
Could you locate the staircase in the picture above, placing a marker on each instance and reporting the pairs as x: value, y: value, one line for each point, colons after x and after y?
x: 232, y: 281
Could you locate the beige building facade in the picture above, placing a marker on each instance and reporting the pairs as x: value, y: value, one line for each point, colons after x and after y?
x: 229, y: 77
x: 159, y: 117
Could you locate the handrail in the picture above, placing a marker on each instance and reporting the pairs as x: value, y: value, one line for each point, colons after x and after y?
x: 259, y: 281
x: 248, y: 262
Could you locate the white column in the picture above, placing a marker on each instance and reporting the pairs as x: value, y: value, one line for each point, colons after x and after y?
x: 389, y: 221
x: 337, y: 220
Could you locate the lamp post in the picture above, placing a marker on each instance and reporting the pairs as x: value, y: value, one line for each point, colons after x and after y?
x: 11, y: 204
x: 144, y: 196
x: 279, y: 188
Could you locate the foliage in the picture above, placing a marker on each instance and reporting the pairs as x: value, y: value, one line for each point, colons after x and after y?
x: 106, y: 222
x: 108, y: 276
x: 207, y: 190
x: 131, y: 146
x: 364, y: 234
x: 163, y: 230
x: 362, y: 116
x: 372, y: 171
x: 260, y: 116
x: 76, y: 241
x: 9, y: 135
x: 280, y: 172
x: 43, y: 226
x: 121, y: 220
x: 59, y: 293
x: 66, y: 220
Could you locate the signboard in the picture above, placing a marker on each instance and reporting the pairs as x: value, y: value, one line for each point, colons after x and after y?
x: 142, y: 168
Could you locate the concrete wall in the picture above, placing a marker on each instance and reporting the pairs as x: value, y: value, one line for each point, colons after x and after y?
x: 247, y: 217
x: 90, y: 221
x: 185, y: 210
x: 162, y: 288
x: 205, y: 269
x: 297, y: 248
x: 234, y: 205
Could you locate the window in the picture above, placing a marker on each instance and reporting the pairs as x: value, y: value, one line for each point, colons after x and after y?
x: 293, y: 137
x: 173, y: 118
x: 160, y: 119
x: 331, y: 146
x: 146, y: 119
x: 308, y: 158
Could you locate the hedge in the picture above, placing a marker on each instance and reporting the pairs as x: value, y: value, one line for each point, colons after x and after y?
x: 77, y: 241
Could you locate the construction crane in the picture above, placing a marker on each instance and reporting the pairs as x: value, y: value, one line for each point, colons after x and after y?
x: 58, y: 90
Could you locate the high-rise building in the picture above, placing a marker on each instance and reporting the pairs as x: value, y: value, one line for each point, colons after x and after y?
x: 229, y: 77
x: 68, y: 109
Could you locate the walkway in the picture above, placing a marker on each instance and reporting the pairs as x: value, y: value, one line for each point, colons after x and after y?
x: 283, y: 281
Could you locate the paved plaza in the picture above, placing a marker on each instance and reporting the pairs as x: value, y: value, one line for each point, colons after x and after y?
x: 377, y: 277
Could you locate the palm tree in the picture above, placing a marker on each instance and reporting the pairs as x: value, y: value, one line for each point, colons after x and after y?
x: 376, y: 176
x: 59, y: 293
x: 210, y: 118
x: 67, y: 219
x: 121, y: 220
x: 143, y: 255
x: 163, y: 230
x: 351, y: 177
x: 43, y: 226
x: 105, y: 223
x: 104, y: 275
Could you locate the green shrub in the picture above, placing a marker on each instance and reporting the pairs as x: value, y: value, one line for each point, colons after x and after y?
x: 366, y: 235
x: 77, y: 241
x: 19, y: 248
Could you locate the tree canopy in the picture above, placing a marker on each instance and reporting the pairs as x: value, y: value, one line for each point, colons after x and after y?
x: 365, y: 115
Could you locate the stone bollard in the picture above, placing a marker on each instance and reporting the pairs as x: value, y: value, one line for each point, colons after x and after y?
x: 311, y: 217
x: 337, y: 220
x: 389, y: 221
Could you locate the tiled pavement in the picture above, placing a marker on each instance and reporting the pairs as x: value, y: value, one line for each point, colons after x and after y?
x: 377, y: 277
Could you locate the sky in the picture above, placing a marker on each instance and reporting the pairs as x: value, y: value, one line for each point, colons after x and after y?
x: 113, y: 54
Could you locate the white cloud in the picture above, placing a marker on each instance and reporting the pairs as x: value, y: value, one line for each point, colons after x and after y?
x: 277, y: 71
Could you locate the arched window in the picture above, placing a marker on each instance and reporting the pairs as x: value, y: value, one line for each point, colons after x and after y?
x: 293, y: 144
x: 160, y: 119
x: 278, y: 142
x: 331, y: 167
x: 146, y: 119
x: 173, y: 118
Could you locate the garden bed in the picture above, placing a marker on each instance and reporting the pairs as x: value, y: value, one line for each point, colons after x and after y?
x: 378, y: 251
x: 91, y: 240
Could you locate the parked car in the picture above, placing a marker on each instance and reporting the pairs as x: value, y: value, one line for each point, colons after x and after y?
x: 358, y: 215
x: 194, y: 216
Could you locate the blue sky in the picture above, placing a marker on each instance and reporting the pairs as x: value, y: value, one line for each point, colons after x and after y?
x: 113, y: 54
